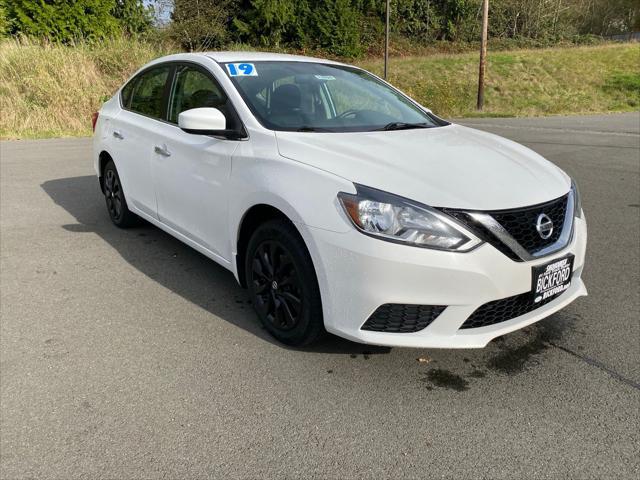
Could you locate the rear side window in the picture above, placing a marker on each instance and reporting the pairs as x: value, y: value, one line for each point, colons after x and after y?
x: 126, y: 93
x: 147, y: 92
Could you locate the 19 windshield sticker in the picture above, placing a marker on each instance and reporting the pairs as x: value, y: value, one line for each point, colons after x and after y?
x: 242, y: 70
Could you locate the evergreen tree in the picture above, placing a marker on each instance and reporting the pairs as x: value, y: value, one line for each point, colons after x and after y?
x: 62, y: 20
x: 134, y: 16
x: 4, y: 20
x: 336, y: 25
x: 267, y: 22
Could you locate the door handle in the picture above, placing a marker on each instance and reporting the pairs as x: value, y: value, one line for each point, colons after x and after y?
x: 118, y: 135
x: 162, y: 151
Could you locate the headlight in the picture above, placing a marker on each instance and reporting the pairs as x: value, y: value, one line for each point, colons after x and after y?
x: 397, y: 219
x: 577, y: 201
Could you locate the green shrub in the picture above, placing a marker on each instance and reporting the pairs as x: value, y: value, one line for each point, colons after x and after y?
x: 624, y: 81
x: 624, y: 87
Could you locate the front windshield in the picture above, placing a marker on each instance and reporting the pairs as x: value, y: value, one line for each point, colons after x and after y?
x: 301, y: 96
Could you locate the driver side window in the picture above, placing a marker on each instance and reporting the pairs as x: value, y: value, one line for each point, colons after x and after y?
x: 194, y: 89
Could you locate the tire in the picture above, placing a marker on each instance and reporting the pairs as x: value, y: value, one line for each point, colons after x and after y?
x: 282, y: 284
x: 116, y: 202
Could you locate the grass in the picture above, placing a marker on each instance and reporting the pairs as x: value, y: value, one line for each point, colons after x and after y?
x: 578, y: 80
x: 50, y: 91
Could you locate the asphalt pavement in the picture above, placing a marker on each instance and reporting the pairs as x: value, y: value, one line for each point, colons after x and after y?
x: 126, y: 354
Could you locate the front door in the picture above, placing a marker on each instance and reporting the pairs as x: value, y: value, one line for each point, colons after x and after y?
x: 192, y: 171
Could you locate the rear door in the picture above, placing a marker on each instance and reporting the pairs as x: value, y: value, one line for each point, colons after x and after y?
x: 143, y: 102
x: 192, y: 171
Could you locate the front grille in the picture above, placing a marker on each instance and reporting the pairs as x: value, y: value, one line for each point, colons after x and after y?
x: 483, y: 233
x: 519, y: 223
x: 503, y: 310
x: 400, y: 318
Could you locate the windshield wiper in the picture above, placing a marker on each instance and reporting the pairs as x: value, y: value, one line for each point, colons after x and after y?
x: 306, y: 128
x: 404, y: 126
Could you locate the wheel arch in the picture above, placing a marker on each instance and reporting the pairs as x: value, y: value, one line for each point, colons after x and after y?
x: 103, y: 159
x: 255, y: 216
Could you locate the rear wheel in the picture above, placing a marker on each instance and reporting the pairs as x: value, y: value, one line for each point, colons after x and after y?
x: 283, y: 285
x: 117, y: 207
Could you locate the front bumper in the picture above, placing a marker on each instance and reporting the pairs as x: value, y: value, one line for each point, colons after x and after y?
x: 357, y: 274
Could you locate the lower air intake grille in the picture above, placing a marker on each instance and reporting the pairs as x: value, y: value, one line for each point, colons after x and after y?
x: 399, y: 318
x: 503, y: 310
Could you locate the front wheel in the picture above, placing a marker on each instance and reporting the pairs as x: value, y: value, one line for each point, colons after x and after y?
x: 282, y: 284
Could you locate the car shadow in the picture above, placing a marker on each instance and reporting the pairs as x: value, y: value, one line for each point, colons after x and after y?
x: 174, y: 265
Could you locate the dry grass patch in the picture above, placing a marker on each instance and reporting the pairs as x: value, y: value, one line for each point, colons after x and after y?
x: 50, y: 91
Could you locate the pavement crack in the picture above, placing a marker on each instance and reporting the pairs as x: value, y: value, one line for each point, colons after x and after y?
x: 597, y: 364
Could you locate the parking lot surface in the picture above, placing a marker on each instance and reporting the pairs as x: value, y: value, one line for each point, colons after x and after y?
x: 126, y: 354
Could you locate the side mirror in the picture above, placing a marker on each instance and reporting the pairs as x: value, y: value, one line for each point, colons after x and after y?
x: 200, y: 120
x: 205, y: 121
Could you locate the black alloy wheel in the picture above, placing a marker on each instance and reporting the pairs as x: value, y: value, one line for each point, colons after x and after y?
x: 276, y: 285
x: 282, y: 284
x: 113, y: 194
x: 117, y: 207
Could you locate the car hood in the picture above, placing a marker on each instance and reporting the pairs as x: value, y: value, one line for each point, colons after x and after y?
x: 451, y: 166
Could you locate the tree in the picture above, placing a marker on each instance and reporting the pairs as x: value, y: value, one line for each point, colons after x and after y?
x: 608, y: 17
x: 134, y: 17
x: 268, y: 22
x: 63, y: 20
x: 330, y: 24
x: 416, y: 18
x: 335, y: 23
x: 4, y: 20
x: 200, y: 24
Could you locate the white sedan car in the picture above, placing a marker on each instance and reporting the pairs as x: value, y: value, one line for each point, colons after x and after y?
x: 341, y: 204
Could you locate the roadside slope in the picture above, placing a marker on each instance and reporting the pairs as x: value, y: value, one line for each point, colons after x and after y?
x: 553, y: 81
x: 51, y: 91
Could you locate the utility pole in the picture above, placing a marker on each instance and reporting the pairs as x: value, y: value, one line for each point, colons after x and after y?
x: 386, y: 40
x: 483, y: 53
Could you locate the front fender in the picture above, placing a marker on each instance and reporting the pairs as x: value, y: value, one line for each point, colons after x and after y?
x: 305, y: 194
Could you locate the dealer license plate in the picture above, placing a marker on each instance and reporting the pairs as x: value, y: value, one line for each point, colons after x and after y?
x: 551, y: 279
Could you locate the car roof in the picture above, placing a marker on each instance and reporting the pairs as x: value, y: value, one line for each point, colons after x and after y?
x: 224, y: 57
